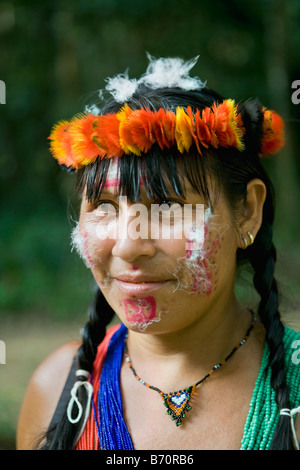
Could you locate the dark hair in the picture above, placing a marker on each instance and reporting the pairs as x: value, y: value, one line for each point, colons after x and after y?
x: 230, y: 171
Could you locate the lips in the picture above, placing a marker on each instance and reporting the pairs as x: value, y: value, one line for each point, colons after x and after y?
x: 137, y: 278
x: 136, y: 288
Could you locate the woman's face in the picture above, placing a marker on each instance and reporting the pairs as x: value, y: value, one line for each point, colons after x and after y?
x: 160, y: 267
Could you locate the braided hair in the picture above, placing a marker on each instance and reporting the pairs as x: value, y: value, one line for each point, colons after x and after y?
x: 262, y: 256
x: 231, y: 170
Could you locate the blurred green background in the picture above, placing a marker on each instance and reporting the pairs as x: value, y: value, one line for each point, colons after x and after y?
x: 53, y: 55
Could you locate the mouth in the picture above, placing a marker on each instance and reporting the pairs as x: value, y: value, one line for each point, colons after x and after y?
x: 139, y: 286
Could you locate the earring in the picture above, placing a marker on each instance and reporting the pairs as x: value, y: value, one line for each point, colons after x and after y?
x: 251, y: 237
x: 244, y: 238
x: 245, y: 241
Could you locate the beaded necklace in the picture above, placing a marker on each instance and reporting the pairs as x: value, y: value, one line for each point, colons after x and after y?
x: 178, y: 402
x: 109, y: 432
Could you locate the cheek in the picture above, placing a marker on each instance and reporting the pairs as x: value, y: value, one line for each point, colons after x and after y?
x: 88, y: 246
x: 197, y: 272
x: 79, y: 242
x: 207, y: 264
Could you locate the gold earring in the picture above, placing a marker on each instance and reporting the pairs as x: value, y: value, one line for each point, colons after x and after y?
x: 245, y: 241
x: 251, y: 237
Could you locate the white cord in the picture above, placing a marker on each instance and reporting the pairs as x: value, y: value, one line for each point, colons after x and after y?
x: 291, y: 413
x: 74, y: 400
x: 83, y: 373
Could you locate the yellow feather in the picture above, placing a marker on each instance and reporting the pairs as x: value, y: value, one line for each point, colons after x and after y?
x: 183, y: 134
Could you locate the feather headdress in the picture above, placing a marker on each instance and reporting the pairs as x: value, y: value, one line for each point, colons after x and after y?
x: 86, y: 137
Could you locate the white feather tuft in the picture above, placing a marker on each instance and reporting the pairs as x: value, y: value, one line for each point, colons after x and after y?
x: 121, y: 87
x: 92, y: 109
x: 160, y: 73
x: 171, y: 72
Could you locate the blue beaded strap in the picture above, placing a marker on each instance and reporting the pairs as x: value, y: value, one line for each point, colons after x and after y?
x: 112, y: 431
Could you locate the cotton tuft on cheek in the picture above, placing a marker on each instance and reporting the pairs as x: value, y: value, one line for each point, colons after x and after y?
x: 81, y: 244
x: 196, y: 273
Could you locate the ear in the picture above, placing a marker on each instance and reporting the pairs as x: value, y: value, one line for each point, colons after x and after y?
x: 251, y: 220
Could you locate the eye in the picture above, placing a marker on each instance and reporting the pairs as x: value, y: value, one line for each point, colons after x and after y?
x: 105, y: 205
x: 105, y: 208
x: 166, y: 204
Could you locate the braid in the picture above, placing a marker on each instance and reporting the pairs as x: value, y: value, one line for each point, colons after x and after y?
x: 100, y: 315
x: 263, y: 258
x: 64, y: 435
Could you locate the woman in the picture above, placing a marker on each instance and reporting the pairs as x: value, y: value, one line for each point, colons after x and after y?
x: 188, y: 367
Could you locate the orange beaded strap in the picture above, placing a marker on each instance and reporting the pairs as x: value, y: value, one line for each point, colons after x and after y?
x: 89, y: 438
x: 178, y: 403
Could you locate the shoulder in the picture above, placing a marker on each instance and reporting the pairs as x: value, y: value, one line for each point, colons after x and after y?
x: 42, y: 395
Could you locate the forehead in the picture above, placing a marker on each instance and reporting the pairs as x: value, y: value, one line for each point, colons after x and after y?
x: 112, y: 182
x: 113, y: 176
x: 158, y: 175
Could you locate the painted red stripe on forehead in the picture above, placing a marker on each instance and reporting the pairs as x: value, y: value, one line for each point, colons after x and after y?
x: 109, y: 183
x: 112, y: 182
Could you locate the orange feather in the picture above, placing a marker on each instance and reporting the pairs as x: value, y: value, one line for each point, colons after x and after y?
x: 273, y: 133
x: 61, y: 144
x: 85, y: 150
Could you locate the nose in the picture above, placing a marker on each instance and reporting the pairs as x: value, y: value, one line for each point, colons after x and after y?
x: 131, y: 250
x: 133, y: 239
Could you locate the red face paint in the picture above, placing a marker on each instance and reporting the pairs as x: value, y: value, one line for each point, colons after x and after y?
x: 86, y: 249
x: 140, y: 311
x: 203, y: 281
x: 112, y: 182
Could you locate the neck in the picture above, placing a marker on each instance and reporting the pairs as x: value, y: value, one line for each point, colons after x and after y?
x: 177, y: 358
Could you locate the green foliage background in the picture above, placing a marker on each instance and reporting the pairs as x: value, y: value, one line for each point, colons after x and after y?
x: 54, y: 53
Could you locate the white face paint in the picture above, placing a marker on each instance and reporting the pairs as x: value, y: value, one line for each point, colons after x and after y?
x: 196, y: 270
x: 79, y: 242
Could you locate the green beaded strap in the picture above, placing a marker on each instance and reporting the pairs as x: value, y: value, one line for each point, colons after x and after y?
x: 264, y: 413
